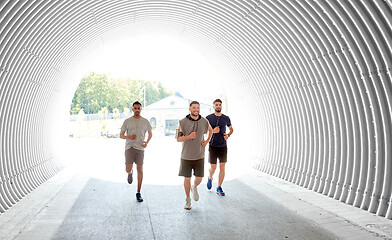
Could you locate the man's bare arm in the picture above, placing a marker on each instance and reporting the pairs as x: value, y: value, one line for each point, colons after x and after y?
x: 204, y: 143
x: 122, y: 135
x: 226, y: 136
x: 144, y: 144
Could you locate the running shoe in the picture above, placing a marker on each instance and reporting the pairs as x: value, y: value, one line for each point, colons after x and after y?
x: 220, y: 191
x: 187, y: 204
x: 139, y: 197
x: 195, y: 194
x: 130, y: 178
x: 209, y: 183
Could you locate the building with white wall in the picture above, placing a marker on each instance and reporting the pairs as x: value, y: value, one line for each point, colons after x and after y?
x: 165, y: 113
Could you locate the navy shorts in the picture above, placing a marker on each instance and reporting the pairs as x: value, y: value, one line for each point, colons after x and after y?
x: 217, y: 152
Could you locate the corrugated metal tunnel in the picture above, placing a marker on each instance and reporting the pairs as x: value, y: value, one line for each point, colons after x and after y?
x: 311, y: 84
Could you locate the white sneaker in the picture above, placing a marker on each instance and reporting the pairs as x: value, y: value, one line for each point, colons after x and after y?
x: 195, y: 194
x: 187, y: 204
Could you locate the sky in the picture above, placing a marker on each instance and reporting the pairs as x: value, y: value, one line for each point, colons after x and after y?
x: 177, y: 65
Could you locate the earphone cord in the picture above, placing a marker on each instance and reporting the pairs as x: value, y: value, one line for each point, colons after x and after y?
x: 212, y: 138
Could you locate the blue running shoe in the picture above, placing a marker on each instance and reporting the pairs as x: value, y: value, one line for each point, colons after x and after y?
x: 220, y: 191
x: 139, y: 197
x: 209, y: 184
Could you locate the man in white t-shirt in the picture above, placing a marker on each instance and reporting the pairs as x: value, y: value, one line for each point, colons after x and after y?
x: 134, y: 131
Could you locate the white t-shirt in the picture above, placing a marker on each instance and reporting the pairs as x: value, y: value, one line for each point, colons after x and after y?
x: 138, y: 126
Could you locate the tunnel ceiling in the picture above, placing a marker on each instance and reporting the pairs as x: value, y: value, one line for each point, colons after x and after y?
x: 315, y: 77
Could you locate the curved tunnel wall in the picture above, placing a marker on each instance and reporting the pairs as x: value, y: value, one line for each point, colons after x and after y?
x: 313, y: 76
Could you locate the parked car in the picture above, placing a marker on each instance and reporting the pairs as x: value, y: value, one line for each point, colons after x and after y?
x: 113, y: 133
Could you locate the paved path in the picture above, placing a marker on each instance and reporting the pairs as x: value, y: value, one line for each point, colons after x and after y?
x: 95, y: 202
x: 108, y: 210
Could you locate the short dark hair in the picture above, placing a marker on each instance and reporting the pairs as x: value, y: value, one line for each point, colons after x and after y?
x: 217, y: 100
x: 136, y: 103
x: 194, y: 102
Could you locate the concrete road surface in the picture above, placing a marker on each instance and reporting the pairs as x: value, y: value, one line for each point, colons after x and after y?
x: 90, y: 199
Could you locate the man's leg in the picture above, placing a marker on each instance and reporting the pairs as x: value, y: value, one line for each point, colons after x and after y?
x: 139, y: 168
x: 187, y: 186
x: 197, y: 181
x: 139, y: 156
x: 199, y: 174
x: 186, y: 172
x: 212, y: 170
x: 128, y: 167
x: 129, y: 160
x: 212, y: 158
x: 222, y: 166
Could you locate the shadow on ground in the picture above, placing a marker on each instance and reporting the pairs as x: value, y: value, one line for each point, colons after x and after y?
x: 108, y: 210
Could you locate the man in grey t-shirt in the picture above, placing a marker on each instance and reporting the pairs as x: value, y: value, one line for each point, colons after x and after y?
x: 134, y: 131
x: 192, y: 129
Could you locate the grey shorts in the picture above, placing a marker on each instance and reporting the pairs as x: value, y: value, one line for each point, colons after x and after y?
x: 133, y: 155
x: 187, y: 166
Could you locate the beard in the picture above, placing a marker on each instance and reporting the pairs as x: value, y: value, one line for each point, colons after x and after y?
x: 218, y: 110
x: 195, y: 115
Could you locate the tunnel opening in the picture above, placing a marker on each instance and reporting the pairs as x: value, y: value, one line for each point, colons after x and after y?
x: 176, y: 69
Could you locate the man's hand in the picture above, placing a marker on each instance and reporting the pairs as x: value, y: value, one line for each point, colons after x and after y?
x: 226, y: 136
x: 144, y: 144
x: 132, y: 137
x: 192, y: 135
x: 204, y: 143
x: 216, y: 130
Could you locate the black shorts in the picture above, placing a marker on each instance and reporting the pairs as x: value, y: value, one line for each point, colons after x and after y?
x: 217, y: 152
x: 187, y: 166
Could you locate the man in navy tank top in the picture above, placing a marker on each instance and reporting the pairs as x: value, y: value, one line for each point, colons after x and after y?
x: 218, y: 147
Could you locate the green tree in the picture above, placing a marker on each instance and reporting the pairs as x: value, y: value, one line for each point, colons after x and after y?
x: 91, y: 94
x: 97, y: 91
x: 155, y: 92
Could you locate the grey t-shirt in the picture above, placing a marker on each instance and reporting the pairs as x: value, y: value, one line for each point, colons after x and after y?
x: 138, y: 126
x: 192, y: 149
